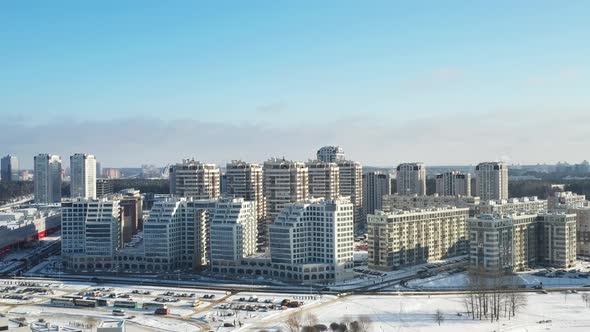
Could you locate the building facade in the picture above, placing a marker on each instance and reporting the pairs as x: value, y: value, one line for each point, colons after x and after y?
x: 453, y: 183
x: 511, y: 243
x: 83, y: 176
x: 47, y: 178
x: 375, y: 186
x: 233, y: 231
x: 284, y: 182
x: 404, y: 238
x: 521, y: 205
x: 330, y: 154
x: 194, y: 179
x: 245, y: 180
x: 564, y: 200
x: 104, y: 187
x: 351, y: 185
x: 91, y: 233
x: 411, y: 179
x: 582, y: 230
x: 324, y: 179
x: 491, y: 181
x: 401, y: 202
x: 9, y: 168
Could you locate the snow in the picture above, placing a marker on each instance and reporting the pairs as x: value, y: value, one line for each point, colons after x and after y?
x: 415, y: 313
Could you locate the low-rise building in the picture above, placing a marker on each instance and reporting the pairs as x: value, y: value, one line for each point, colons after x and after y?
x: 513, y: 205
x: 403, y: 202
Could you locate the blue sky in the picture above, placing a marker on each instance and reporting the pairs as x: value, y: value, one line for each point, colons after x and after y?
x: 280, y: 66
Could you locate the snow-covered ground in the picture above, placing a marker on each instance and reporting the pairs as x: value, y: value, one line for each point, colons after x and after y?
x: 416, y: 314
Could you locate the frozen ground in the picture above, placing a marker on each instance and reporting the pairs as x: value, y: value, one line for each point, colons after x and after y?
x: 415, y: 313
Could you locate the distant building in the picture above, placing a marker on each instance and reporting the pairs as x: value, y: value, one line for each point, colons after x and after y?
x: 9, y: 168
x: 563, y: 201
x: 330, y: 154
x: 453, y: 183
x: 131, y: 203
x: 104, y: 187
x: 195, y: 179
x: 401, y: 202
x: 491, y: 181
x: 111, y: 173
x: 411, y: 179
x: 404, y: 238
x: 284, y: 182
x: 513, y: 205
x: 375, y: 186
x: 324, y: 179
x: 98, y: 170
x: 83, y: 176
x: 47, y: 178
x: 351, y: 185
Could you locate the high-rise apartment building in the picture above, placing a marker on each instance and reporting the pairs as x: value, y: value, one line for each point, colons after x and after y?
x: 582, y: 229
x: 47, y: 178
x: 411, y: 179
x: 375, y: 186
x: 453, y: 183
x: 233, y: 231
x: 9, y: 168
x: 556, y: 234
x: 324, y: 179
x: 132, y: 213
x: 284, y: 182
x: 83, y: 176
x: 351, y: 185
x: 245, y: 180
x: 491, y: 181
x: 90, y: 233
x: 313, y: 241
x: 402, y: 202
x: 404, y: 238
x: 194, y: 179
x: 330, y: 154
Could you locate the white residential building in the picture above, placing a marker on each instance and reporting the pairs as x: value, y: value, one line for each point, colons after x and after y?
x: 375, y: 186
x: 324, y: 179
x: 90, y: 233
x: 491, y: 181
x: 233, y: 231
x: 404, y: 238
x: 453, y: 183
x: 284, y: 182
x: 330, y: 154
x: 564, y: 200
x: 313, y: 241
x: 47, y: 178
x: 83, y: 176
x: 195, y: 179
x: 176, y: 234
x: 245, y: 180
x: 411, y: 179
x: 351, y: 185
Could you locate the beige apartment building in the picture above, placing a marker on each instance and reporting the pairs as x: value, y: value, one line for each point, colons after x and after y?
x: 324, y: 179
x: 404, y: 238
x: 194, y: 179
x: 284, y: 182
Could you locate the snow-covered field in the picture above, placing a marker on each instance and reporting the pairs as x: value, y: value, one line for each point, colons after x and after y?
x: 416, y: 313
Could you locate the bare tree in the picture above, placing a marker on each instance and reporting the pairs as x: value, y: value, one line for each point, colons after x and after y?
x: 586, y: 299
x: 294, y: 322
x: 439, y: 317
x: 310, y: 319
x: 363, y: 323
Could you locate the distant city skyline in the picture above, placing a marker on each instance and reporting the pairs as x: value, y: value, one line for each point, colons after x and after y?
x: 390, y: 82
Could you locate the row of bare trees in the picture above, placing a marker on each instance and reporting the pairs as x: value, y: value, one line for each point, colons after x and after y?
x: 493, y: 297
x: 300, y: 321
